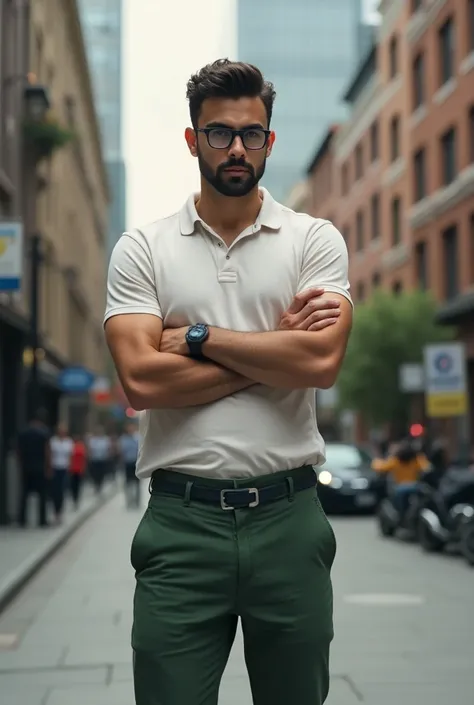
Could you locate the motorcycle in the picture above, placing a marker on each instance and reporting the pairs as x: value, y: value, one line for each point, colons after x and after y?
x: 390, y: 519
x: 444, y: 518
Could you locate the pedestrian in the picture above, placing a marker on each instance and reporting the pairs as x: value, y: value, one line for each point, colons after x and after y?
x: 129, y: 444
x: 77, y: 469
x: 34, y: 464
x: 62, y: 447
x: 222, y: 320
x: 99, y: 450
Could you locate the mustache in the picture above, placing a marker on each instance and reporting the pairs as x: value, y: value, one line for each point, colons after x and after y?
x: 241, y: 164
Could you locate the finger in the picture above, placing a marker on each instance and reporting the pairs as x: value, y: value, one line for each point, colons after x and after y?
x: 301, y: 299
x: 316, y: 316
x: 320, y: 304
x: 320, y: 325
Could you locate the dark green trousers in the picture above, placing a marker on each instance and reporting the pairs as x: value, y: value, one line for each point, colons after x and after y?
x: 199, y: 568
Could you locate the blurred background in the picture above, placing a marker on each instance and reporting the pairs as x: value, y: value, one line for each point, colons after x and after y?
x: 375, y: 131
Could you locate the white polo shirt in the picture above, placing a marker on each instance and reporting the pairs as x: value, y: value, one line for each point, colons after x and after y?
x: 179, y: 269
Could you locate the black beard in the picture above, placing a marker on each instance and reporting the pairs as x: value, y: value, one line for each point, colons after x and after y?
x: 235, y: 186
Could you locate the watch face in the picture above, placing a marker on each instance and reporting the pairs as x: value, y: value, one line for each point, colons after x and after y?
x: 197, y: 333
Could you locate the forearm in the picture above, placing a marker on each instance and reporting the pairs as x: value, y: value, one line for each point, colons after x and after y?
x: 169, y: 381
x: 285, y: 359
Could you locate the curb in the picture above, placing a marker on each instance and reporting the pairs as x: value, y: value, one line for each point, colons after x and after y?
x: 18, y: 578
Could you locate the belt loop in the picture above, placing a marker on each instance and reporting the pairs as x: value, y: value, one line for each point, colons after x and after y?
x: 291, y: 488
x: 187, y: 494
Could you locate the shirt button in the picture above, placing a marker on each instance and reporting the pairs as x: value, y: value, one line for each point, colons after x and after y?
x: 227, y: 257
x: 219, y: 244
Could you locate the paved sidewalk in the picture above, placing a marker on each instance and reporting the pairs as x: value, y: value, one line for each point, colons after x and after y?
x: 23, y: 551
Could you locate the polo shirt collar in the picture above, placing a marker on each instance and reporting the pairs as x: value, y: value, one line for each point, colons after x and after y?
x: 269, y: 216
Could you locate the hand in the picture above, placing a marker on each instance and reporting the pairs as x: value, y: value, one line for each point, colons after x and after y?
x: 311, y: 311
x: 173, y: 341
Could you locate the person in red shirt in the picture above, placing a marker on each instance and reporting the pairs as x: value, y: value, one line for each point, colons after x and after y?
x: 77, y: 469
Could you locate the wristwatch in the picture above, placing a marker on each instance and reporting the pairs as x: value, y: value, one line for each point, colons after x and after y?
x: 195, y: 337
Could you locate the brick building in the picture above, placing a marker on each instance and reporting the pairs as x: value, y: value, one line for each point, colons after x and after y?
x: 398, y: 177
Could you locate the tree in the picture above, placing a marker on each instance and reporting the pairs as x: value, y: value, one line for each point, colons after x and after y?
x: 389, y: 330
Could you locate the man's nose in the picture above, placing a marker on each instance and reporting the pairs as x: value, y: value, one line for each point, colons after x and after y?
x: 237, y: 149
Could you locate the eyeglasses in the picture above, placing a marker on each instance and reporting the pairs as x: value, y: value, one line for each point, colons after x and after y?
x: 223, y: 137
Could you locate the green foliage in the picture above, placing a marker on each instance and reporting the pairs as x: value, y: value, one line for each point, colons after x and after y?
x: 47, y: 136
x: 388, y: 331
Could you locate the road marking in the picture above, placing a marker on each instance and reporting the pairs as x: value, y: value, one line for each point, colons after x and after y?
x: 8, y: 641
x: 384, y: 599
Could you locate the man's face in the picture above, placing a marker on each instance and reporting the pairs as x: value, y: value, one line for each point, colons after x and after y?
x: 235, y: 169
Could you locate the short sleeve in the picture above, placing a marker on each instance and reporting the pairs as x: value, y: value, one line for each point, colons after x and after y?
x: 325, y: 261
x: 131, y: 286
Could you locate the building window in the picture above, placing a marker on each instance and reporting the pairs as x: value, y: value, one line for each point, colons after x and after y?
x: 471, y: 246
x: 470, y: 22
x: 397, y: 288
x: 375, y: 212
x: 419, y: 168
x: 450, y: 251
x: 359, y: 161
x: 396, y: 222
x: 345, y: 179
x: 374, y: 141
x: 395, y: 138
x: 448, y: 156
x: 421, y: 263
x: 418, y: 81
x: 446, y: 51
x: 359, y: 231
x: 376, y: 280
x: 471, y: 134
x: 393, y: 57
x: 360, y: 291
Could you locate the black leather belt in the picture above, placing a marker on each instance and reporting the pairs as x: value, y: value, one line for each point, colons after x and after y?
x: 235, y: 498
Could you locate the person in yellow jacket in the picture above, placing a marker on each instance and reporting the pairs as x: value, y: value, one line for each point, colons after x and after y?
x: 405, y: 465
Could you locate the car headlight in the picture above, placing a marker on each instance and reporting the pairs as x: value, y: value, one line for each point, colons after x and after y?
x: 328, y: 479
x: 359, y: 483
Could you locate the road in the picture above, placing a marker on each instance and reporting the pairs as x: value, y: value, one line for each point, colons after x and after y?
x: 404, y: 624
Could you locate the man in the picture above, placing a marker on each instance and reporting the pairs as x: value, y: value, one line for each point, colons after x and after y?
x: 99, y: 452
x: 218, y: 331
x: 33, y: 454
x: 128, y: 445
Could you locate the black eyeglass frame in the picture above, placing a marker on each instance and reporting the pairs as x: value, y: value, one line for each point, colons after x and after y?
x: 236, y: 133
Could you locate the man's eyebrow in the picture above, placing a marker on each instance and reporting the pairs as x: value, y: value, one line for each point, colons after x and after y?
x: 253, y: 126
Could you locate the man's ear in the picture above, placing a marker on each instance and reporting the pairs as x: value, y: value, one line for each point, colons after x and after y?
x: 191, y: 140
x: 270, y: 143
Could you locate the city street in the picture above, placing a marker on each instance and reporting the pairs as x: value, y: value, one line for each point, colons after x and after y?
x: 404, y: 622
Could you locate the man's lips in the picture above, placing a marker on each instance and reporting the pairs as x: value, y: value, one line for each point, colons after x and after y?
x: 237, y: 169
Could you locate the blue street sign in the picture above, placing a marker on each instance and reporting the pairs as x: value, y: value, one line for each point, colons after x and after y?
x: 11, y: 255
x: 76, y: 380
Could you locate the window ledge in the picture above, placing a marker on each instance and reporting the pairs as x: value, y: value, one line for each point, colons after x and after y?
x: 395, y: 257
x: 467, y: 64
x: 394, y: 172
x: 445, y: 91
x: 418, y: 115
x: 431, y: 207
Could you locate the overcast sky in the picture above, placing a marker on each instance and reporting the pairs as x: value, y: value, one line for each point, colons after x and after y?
x: 164, y: 42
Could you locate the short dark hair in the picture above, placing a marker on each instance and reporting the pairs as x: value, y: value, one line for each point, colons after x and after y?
x: 228, y: 79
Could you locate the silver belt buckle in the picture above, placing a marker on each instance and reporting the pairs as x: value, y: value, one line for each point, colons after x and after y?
x: 251, y: 490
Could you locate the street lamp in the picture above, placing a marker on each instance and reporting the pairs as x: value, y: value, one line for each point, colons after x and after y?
x: 37, y: 102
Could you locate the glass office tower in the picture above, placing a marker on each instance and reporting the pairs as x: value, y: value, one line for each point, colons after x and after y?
x: 102, y: 26
x: 309, y: 49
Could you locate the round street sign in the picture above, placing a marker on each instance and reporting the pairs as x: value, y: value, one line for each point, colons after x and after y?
x: 76, y: 380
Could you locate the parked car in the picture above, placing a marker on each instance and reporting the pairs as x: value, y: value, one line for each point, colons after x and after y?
x: 346, y: 481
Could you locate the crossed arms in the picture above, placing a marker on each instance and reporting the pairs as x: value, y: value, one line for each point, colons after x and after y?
x: 306, y: 351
